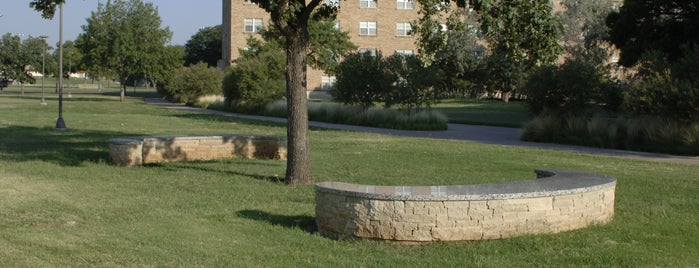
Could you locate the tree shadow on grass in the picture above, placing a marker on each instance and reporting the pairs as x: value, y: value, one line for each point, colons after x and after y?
x: 303, y: 222
x: 70, y: 147
x: 196, y: 165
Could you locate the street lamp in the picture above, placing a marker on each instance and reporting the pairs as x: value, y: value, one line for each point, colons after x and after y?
x: 43, y: 69
x: 60, y: 123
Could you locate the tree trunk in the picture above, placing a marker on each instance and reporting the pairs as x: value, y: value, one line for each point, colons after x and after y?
x: 122, y: 89
x: 298, y: 164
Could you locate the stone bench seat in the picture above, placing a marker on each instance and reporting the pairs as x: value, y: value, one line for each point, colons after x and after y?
x: 558, y: 200
x: 141, y: 150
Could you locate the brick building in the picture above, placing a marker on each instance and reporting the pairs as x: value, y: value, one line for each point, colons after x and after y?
x: 372, y: 25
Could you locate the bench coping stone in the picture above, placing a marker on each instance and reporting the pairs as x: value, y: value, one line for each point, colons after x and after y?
x: 548, y: 183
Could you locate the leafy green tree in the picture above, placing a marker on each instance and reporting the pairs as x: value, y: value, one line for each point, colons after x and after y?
x: 428, y: 28
x: 205, y: 45
x: 11, y: 67
x: 326, y: 45
x: 663, y: 25
x: 291, y: 18
x: 257, y: 77
x: 584, y: 21
x: 363, y: 79
x: 522, y: 34
x: 18, y: 58
x: 125, y: 37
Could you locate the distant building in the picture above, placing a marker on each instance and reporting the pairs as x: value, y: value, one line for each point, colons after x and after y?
x: 373, y: 26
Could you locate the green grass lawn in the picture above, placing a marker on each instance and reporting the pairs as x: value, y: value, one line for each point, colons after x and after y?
x: 63, y: 205
x: 484, y: 112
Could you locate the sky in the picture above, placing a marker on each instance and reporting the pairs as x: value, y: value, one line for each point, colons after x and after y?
x: 183, y: 17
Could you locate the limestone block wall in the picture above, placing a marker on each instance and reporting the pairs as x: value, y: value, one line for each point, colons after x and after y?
x: 557, y: 201
x: 136, y: 151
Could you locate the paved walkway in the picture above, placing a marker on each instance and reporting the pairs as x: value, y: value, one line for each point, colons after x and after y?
x: 474, y: 133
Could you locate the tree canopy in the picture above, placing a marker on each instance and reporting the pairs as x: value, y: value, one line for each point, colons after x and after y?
x: 123, y: 38
x: 205, y: 45
x: 522, y: 35
x: 661, y: 25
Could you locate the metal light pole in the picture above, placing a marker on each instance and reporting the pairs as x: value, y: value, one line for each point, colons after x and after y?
x: 60, y: 124
x: 43, y: 69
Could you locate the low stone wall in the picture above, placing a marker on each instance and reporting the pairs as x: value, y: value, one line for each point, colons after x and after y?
x: 136, y: 151
x: 556, y: 201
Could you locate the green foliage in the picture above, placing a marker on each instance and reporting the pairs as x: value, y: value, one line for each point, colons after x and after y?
x: 523, y: 35
x: 650, y: 134
x: 572, y: 87
x: 431, y: 38
x: 666, y: 89
x: 414, y: 85
x: 327, y: 45
x: 362, y: 79
x: 188, y: 84
x: 18, y: 58
x: 336, y: 113
x: 584, y: 22
x: 661, y: 25
x: 124, y: 38
x: 256, y: 79
x: 46, y: 7
x: 205, y: 45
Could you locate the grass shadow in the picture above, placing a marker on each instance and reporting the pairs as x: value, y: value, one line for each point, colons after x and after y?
x: 303, y: 222
x: 197, y: 165
x: 66, y: 148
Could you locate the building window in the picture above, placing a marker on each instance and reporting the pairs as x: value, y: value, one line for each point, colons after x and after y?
x: 405, y: 52
x: 337, y: 25
x: 327, y: 82
x: 248, y: 2
x: 405, y: 4
x: 371, y: 51
x: 367, y: 3
x: 332, y: 3
x: 367, y: 28
x: 403, y: 29
x: 443, y: 28
x: 253, y: 25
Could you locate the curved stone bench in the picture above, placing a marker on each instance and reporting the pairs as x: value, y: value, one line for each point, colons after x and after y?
x: 556, y: 201
x: 136, y: 151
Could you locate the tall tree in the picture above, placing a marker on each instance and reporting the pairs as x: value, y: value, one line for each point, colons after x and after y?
x: 661, y: 25
x: 72, y: 58
x: 125, y: 37
x: 523, y: 34
x: 291, y: 18
x: 11, y: 67
x: 437, y: 19
x: 205, y: 45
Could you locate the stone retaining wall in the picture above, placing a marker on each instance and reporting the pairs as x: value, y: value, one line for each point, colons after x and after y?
x: 557, y: 201
x: 136, y: 151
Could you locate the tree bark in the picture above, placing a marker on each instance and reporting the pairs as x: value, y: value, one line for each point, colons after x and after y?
x: 122, y: 88
x: 298, y: 168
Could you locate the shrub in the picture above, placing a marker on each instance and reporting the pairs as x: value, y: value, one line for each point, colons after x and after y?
x: 414, y: 85
x: 362, y: 80
x: 664, y: 89
x: 188, y: 84
x: 570, y: 88
x: 256, y: 79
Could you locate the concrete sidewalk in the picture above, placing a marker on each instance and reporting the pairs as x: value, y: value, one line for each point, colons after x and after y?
x: 481, y: 134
